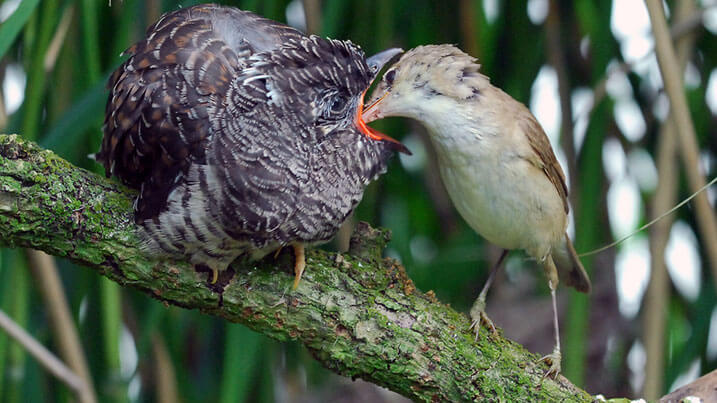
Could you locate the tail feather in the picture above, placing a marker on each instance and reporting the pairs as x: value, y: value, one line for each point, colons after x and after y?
x: 570, y: 270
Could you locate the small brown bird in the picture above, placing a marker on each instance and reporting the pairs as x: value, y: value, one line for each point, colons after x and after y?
x: 494, y: 159
x: 242, y: 135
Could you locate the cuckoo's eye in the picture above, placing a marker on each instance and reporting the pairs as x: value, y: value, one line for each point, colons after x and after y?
x: 334, y: 106
x: 338, y: 104
x: 389, y: 77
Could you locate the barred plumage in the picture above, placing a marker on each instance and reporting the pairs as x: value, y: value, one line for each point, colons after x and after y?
x: 241, y: 134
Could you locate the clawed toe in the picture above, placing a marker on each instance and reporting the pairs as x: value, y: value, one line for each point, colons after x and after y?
x: 480, y: 317
x: 553, y: 359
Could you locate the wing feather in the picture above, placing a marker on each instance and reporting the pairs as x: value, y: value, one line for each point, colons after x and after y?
x: 546, y: 157
x: 157, y: 120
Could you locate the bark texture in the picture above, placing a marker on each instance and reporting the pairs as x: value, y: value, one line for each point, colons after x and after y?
x: 358, y: 313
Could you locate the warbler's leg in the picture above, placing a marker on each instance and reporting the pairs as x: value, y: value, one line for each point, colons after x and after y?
x: 477, y: 312
x: 555, y: 357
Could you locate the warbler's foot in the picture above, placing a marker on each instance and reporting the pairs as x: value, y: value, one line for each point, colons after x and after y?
x: 553, y: 360
x: 299, y: 265
x: 479, y: 317
x: 215, y: 276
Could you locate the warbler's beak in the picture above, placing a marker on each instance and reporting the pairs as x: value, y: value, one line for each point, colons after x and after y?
x: 371, y: 113
x: 375, y: 134
x: 377, y: 61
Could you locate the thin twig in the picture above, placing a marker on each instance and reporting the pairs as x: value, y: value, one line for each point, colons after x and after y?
x: 312, y: 13
x: 677, y: 31
x: 47, y: 280
x: 672, y: 78
x: 469, y: 27
x: 556, y: 57
x: 697, y: 193
x: 53, y: 50
x: 164, y: 374
x: 658, y: 290
x: 42, y: 355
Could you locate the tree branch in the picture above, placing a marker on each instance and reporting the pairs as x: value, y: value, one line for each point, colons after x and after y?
x: 358, y: 314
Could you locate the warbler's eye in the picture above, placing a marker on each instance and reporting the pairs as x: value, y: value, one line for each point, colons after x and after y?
x: 389, y: 77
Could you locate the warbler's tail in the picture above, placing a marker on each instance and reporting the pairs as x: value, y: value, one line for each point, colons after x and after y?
x: 570, y: 270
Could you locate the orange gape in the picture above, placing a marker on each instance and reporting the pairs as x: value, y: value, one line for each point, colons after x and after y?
x: 373, y: 133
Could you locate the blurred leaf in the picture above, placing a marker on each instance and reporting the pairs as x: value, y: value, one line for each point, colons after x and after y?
x: 12, y: 26
x: 70, y: 129
x: 35, y: 89
x: 242, y: 348
x: 18, y: 307
x: 5, y: 299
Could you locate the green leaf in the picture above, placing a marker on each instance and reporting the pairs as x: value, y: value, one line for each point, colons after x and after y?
x: 12, y: 26
x: 64, y: 137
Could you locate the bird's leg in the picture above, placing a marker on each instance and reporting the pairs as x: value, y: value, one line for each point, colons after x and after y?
x: 555, y: 357
x: 211, y: 278
x: 477, y: 312
x: 300, y: 263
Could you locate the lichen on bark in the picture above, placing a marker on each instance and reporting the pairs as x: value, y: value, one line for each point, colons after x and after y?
x: 358, y: 313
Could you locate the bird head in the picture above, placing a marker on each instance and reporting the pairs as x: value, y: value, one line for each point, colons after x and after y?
x: 426, y: 83
x: 330, y: 77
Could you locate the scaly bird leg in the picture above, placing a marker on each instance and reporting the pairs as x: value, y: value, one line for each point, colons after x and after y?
x: 477, y: 312
x: 300, y: 263
x: 555, y: 357
x: 211, y: 278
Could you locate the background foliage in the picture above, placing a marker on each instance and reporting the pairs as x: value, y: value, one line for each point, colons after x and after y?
x: 138, y: 349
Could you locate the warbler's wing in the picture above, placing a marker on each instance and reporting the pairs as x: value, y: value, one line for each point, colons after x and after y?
x: 546, y: 157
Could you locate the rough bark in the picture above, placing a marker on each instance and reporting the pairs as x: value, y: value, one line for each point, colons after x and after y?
x: 358, y: 313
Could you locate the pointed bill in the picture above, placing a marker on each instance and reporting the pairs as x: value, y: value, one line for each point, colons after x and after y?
x: 377, y: 61
x: 374, y: 134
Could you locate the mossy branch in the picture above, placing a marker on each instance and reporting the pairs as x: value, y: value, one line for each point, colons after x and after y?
x: 358, y: 313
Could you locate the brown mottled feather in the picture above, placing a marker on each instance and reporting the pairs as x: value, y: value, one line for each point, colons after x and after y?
x: 157, y: 114
x: 548, y: 163
x: 240, y: 134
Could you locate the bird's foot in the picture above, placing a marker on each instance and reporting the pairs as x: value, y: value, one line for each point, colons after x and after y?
x: 553, y: 360
x: 212, y: 273
x: 299, y: 265
x: 479, y: 317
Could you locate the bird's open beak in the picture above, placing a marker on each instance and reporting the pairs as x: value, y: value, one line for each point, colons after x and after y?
x: 370, y: 113
x: 376, y: 63
x: 375, y: 134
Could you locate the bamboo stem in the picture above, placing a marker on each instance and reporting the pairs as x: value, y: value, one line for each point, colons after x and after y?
x: 687, y: 138
x: 48, y: 282
x: 44, y: 357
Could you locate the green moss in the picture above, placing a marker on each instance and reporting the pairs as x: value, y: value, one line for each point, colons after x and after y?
x: 355, y: 316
